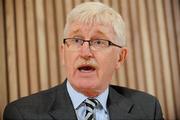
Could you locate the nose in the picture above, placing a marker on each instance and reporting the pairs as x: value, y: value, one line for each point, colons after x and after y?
x: 86, y: 52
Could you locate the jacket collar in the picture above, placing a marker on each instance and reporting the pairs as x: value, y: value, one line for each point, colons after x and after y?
x: 121, y: 108
x: 62, y: 107
x: 118, y: 105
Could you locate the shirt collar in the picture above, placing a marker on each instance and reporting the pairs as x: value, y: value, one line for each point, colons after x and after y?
x: 102, y: 98
x: 77, y: 97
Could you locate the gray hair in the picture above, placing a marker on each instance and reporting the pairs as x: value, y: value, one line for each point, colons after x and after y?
x: 96, y: 12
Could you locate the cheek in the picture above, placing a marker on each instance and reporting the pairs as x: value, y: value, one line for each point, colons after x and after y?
x: 107, y: 66
x: 69, y: 59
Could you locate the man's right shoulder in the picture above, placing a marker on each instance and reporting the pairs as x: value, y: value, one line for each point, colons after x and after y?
x: 38, y: 101
x: 37, y: 97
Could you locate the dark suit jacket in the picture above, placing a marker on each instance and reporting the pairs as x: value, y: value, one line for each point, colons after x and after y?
x: 55, y: 104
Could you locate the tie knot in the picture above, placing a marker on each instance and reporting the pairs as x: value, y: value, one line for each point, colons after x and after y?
x: 91, y: 102
x: 90, y: 106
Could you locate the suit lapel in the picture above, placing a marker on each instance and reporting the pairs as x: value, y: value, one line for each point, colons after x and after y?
x: 121, y: 108
x: 62, y: 108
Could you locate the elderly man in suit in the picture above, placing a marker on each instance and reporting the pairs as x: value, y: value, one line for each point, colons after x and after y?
x: 93, y: 48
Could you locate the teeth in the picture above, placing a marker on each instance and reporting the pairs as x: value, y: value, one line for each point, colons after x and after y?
x: 86, y: 69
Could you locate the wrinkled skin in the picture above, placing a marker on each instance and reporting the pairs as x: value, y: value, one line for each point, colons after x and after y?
x: 104, y: 62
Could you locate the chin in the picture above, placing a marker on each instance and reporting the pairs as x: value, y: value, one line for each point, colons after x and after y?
x: 89, y: 91
x: 87, y: 85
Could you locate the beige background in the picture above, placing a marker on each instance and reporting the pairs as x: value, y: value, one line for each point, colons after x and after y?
x: 29, y: 55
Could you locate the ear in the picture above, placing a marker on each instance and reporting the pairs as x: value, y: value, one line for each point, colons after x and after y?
x: 61, y: 49
x: 122, y: 56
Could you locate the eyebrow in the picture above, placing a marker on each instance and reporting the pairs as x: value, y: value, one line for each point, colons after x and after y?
x: 101, y: 33
x: 78, y: 31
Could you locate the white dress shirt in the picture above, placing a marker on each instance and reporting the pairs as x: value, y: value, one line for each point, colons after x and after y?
x: 77, y: 99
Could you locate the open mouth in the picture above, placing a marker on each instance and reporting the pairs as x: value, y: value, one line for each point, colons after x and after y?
x: 86, y: 68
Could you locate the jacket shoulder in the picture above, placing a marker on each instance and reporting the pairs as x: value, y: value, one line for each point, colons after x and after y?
x: 133, y: 94
x: 30, y: 105
x: 146, y: 102
x: 36, y: 98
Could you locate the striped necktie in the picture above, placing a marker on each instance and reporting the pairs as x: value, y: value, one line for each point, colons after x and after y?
x: 90, y: 105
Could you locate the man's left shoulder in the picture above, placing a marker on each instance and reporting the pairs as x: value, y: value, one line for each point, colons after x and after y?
x: 143, y: 105
x: 136, y: 96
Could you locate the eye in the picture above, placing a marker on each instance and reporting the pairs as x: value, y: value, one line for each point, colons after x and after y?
x: 77, y: 41
x: 100, y: 42
x: 97, y: 42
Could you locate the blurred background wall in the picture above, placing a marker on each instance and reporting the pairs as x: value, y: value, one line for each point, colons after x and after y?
x: 29, y: 53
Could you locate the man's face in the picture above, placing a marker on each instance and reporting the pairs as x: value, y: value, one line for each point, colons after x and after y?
x: 90, y: 71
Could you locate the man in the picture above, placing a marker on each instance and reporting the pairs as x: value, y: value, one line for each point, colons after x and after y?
x: 92, y: 50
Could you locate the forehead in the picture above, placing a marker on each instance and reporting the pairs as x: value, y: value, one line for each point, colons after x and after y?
x: 90, y: 30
